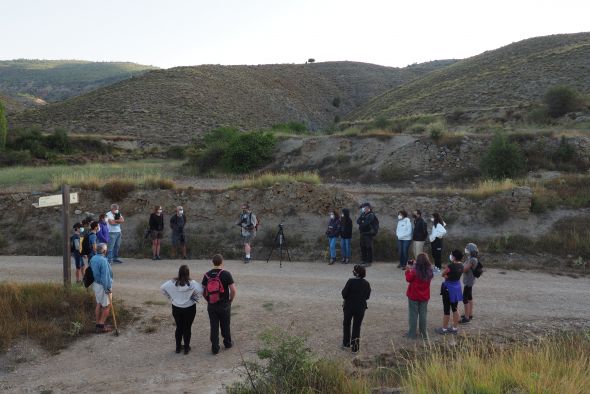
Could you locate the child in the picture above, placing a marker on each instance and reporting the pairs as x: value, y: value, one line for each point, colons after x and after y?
x: 75, y: 248
x: 451, y: 292
x: 471, y: 263
x: 418, y: 276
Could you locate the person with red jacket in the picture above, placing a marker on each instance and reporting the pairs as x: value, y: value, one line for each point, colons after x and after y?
x: 418, y: 275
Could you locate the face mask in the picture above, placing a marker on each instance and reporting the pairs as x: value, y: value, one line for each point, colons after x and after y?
x: 342, y: 215
x: 116, y: 211
x: 466, y: 252
x: 432, y: 219
x: 81, y: 229
x: 399, y: 217
x: 159, y: 211
x: 180, y: 212
x: 331, y: 216
x: 451, y: 259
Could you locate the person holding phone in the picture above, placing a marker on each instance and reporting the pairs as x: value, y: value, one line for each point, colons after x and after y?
x: 418, y: 275
x: 114, y: 220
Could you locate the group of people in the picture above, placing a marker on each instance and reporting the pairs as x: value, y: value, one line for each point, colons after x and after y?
x: 155, y: 232
x: 409, y: 232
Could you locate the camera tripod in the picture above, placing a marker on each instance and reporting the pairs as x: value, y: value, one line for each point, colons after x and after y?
x: 282, y: 243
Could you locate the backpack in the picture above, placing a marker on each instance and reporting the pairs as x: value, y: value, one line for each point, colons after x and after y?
x: 214, y: 288
x: 73, y: 243
x: 86, y: 246
x: 478, y: 270
x: 88, y: 278
x: 375, y: 225
x: 257, y: 222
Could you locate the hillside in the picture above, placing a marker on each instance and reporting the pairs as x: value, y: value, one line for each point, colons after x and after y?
x: 33, y: 82
x: 516, y: 74
x: 179, y: 102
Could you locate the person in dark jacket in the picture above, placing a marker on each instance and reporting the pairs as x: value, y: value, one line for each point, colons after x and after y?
x: 346, y: 236
x: 366, y: 222
x: 177, y: 224
x: 156, y: 231
x: 356, y: 292
x: 419, y: 234
x: 333, y: 232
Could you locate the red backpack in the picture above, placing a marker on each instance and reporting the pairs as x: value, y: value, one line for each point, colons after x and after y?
x: 214, y: 288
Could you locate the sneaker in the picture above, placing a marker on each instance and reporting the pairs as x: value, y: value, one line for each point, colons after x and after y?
x: 246, y: 260
x: 215, y: 350
x: 228, y: 346
x: 154, y: 258
x: 441, y: 331
x: 117, y: 261
x: 354, y: 350
x: 178, y: 349
x: 453, y: 331
x: 158, y: 258
x: 187, y: 349
x: 332, y: 261
x: 464, y: 320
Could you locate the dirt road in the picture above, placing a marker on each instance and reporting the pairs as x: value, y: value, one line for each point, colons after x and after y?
x: 304, y: 297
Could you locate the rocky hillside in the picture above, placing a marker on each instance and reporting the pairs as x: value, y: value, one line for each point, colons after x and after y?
x: 179, y: 102
x: 35, y: 82
x: 516, y: 74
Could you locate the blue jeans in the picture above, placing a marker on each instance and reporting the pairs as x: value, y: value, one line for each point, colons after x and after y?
x: 333, y: 241
x: 346, y: 249
x: 404, y: 250
x: 113, y: 246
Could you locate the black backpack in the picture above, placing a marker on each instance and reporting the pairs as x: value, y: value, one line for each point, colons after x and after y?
x: 375, y: 225
x: 478, y: 270
x: 86, y: 246
x: 88, y: 278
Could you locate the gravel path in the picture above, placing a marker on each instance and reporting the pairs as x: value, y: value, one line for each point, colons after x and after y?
x: 302, y: 297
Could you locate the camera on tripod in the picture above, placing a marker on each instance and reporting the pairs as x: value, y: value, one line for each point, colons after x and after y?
x: 281, y: 242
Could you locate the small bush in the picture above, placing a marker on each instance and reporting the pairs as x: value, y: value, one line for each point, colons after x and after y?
x: 117, y: 190
x: 58, y: 141
x: 560, y: 100
x: 436, y: 130
x: 417, y: 128
x: 565, y: 152
x: 176, y: 152
x: 151, y: 183
x: 539, y: 115
x: 381, y: 123
x: 294, y: 127
x: 503, y: 159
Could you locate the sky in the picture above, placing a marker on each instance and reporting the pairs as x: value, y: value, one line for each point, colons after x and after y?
x: 169, y: 33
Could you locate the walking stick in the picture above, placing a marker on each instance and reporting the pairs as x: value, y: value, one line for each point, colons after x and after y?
x: 114, y: 317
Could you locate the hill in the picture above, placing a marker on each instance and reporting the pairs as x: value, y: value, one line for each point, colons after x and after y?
x: 34, y: 82
x: 517, y: 74
x: 179, y: 102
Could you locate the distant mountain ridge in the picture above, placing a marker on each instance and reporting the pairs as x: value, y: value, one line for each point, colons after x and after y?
x: 181, y: 102
x: 516, y: 74
x: 33, y: 82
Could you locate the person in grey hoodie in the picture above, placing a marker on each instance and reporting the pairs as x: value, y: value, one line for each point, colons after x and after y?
x: 404, y: 237
x: 183, y: 293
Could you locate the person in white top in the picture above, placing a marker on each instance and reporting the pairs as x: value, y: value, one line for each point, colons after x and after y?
x: 404, y: 237
x: 436, y: 239
x: 183, y: 293
x: 114, y: 220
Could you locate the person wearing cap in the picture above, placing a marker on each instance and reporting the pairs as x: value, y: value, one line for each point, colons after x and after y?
x: 177, y: 224
x: 469, y: 265
x: 356, y: 292
x: 366, y: 223
x: 248, y: 226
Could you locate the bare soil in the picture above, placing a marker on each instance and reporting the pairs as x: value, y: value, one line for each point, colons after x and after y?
x: 302, y: 297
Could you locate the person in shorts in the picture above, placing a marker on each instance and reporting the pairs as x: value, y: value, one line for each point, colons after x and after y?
x: 177, y: 224
x: 248, y: 225
x: 470, y: 264
x: 156, y: 231
x: 103, y: 282
x: 76, y: 250
x: 451, y: 292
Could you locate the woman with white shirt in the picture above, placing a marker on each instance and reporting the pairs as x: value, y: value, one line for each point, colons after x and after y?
x: 436, y: 239
x: 183, y: 293
x: 404, y: 237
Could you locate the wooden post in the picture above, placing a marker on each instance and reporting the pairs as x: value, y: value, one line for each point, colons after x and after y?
x: 65, y: 192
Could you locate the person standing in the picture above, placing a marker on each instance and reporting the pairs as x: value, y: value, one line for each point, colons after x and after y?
x: 346, y: 236
x: 333, y: 232
x: 183, y: 293
x: 76, y: 250
x: 451, y: 292
x: 103, y: 231
x: 93, y: 239
x: 404, y: 237
x: 419, y: 233
x: 469, y: 266
x: 219, y: 290
x: 436, y: 240
x: 356, y: 292
x: 248, y: 226
x: 367, y: 230
x: 114, y: 220
x: 177, y: 224
x: 156, y: 231
x: 418, y: 275
x: 102, y: 285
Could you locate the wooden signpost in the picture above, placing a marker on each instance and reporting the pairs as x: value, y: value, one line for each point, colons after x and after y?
x: 64, y: 199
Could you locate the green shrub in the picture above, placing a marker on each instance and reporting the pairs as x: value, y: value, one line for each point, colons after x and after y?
x: 503, y: 159
x: 560, y: 100
x: 176, y: 152
x: 565, y: 152
x: 117, y: 190
x: 381, y: 123
x: 58, y: 141
x: 417, y: 128
x: 293, y: 127
x: 436, y: 130
x: 539, y: 115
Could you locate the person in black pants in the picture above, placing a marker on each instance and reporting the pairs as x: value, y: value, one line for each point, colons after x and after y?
x: 156, y: 231
x: 436, y: 240
x: 356, y: 292
x: 183, y: 292
x: 219, y: 291
x: 367, y: 231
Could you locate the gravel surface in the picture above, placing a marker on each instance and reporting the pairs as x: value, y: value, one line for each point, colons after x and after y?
x: 302, y: 297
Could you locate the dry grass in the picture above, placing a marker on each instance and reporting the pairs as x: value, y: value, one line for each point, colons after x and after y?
x: 47, y: 314
x: 271, y: 178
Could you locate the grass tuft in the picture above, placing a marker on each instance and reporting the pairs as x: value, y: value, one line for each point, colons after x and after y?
x: 270, y: 178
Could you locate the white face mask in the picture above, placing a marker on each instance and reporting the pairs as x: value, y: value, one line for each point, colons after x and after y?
x: 466, y: 252
x: 81, y: 229
x: 159, y: 211
x: 332, y: 216
x: 116, y: 211
x: 432, y: 219
x: 451, y: 259
x: 180, y: 212
x: 400, y: 217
